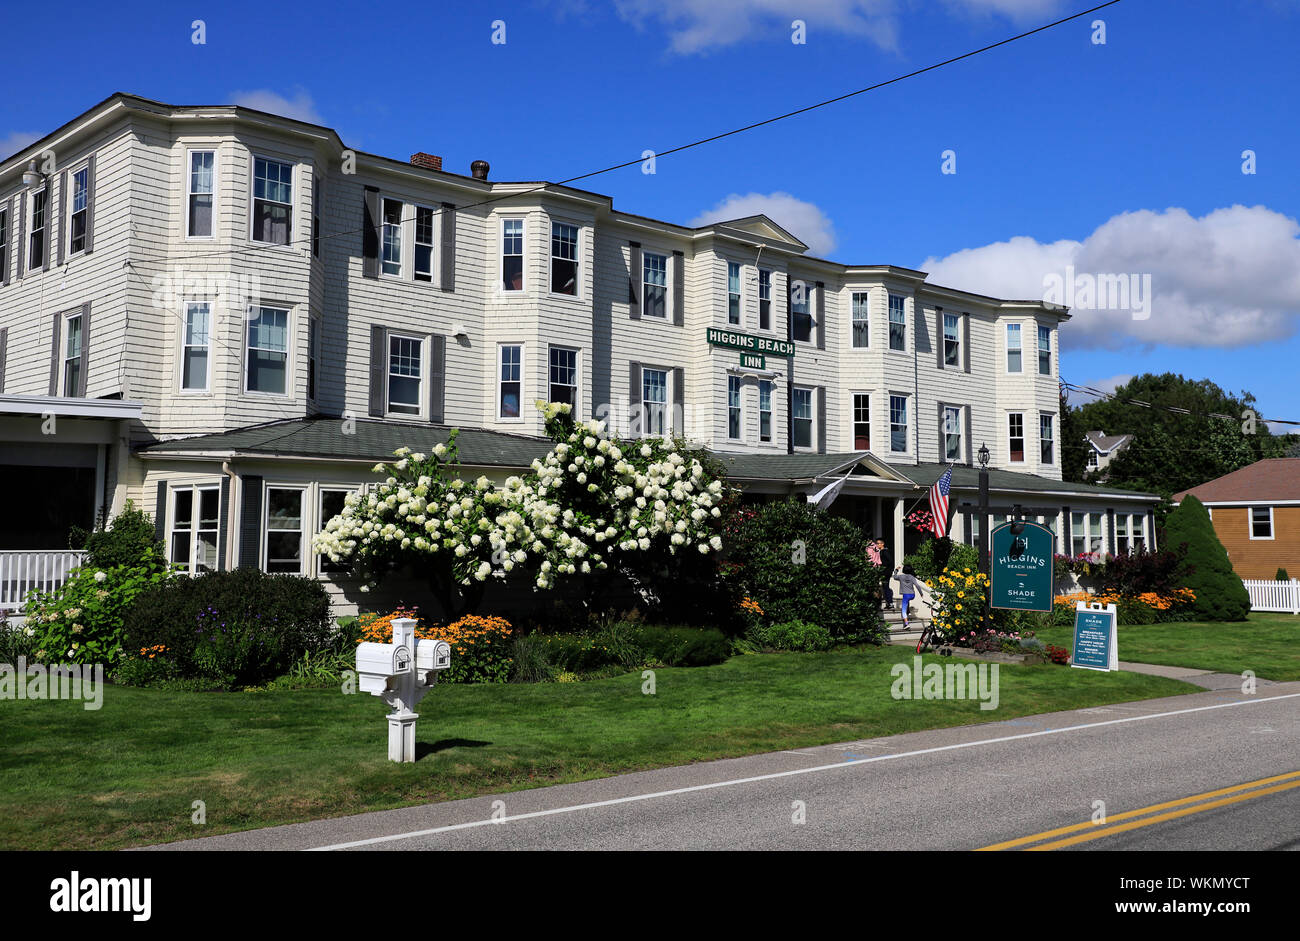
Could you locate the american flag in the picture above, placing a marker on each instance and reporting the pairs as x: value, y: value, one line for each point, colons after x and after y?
x: 939, y: 504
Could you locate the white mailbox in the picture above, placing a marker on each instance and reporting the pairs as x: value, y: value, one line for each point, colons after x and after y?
x: 401, y: 673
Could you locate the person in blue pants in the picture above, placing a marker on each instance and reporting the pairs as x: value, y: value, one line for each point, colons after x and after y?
x: 910, y: 586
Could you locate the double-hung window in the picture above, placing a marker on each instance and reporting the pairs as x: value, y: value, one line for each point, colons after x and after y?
x: 861, y: 421
x: 1138, y: 531
x: 4, y: 244
x: 405, y: 374
x: 72, y: 355
x: 1016, y: 437
x: 564, y: 258
x: 272, y: 201
x: 1013, y: 347
x: 1261, y: 522
x: 267, y: 352
x: 330, y: 504
x: 510, y: 380
x: 801, y: 311
x: 80, y: 206
x: 201, y: 190
x: 284, y: 530
x: 564, y: 375
x: 898, y: 423
x: 1093, y: 462
x: 391, y: 262
x: 733, y: 292
x: 764, y: 299
x: 36, y: 243
x: 196, y: 512
x: 423, y: 244
x: 196, y: 346
x: 734, y: 423
x: 951, y: 341
x: 1044, y: 351
x: 765, y: 387
x: 897, y: 323
x: 1046, y: 439
x: 654, y: 399
x: 654, y: 278
x: 512, y: 254
x: 952, y: 450
x: 1130, y: 533
x: 1085, y: 533
x: 801, y: 417
x: 861, y: 320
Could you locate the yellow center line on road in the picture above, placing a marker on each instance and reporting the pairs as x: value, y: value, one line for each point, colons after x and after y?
x: 1100, y: 830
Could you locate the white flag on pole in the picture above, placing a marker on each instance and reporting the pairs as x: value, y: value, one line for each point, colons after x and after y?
x: 826, y: 496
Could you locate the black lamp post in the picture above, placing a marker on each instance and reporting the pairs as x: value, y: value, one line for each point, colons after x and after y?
x: 984, y: 523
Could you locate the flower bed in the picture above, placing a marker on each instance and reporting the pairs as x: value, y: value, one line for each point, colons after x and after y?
x: 480, y: 646
x: 1146, y: 607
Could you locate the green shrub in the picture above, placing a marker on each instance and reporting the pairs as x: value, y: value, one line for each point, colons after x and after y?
x: 236, y: 628
x: 1204, y: 568
x: 530, y: 660
x: 129, y: 540
x: 798, y: 562
x: 681, y: 646
x: 927, y: 567
x: 83, y: 621
x: 793, y: 635
x: 16, y: 642
x: 1282, y: 576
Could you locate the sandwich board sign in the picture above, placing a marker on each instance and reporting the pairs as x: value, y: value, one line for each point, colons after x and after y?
x: 1020, y: 567
x: 1095, y: 646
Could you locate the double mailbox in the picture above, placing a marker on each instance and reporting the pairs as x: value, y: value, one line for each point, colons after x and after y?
x: 401, y: 673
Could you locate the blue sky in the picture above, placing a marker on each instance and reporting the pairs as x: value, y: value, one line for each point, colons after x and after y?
x: 1116, y: 158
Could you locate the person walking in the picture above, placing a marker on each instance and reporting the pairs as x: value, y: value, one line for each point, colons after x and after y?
x: 886, y: 563
x: 909, y: 586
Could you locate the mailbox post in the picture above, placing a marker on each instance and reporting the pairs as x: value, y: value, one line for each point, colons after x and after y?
x: 401, y: 673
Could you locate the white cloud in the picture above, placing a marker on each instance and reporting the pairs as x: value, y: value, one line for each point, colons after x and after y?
x: 1230, y: 278
x: 14, y: 142
x: 696, y: 25
x: 803, y: 219
x: 300, y: 106
x: 1109, y: 384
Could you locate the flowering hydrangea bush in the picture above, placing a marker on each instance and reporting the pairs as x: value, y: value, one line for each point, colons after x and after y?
x: 81, y: 621
x: 589, y: 504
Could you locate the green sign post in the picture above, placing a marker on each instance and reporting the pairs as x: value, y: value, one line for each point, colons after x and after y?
x: 1021, y: 567
x: 1095, y: 644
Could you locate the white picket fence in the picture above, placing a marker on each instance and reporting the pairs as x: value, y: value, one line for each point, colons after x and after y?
x: 21, y: 570
x: 1274, y: 595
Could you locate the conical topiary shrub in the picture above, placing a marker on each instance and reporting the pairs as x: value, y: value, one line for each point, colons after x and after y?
x: 1220, y: 595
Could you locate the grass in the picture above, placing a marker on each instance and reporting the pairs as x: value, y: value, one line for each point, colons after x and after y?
x: 1269, y: 644
x: 129, y: 773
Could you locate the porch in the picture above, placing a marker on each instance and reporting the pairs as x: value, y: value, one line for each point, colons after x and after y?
x: 22, y: 571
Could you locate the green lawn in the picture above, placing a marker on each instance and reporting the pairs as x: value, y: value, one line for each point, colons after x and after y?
x: 128, y: 773
x: 1269, y: 644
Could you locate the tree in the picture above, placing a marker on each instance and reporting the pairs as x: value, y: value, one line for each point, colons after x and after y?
x: 1205, y: 568
x: 1074, y: 449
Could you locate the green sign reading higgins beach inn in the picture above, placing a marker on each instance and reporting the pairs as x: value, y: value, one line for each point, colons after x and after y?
x: 1020, y: 560
x: 748, y: 343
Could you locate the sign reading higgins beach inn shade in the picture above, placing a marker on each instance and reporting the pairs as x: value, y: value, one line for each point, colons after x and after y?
x: 1021, y: 567
x: 748, y: 343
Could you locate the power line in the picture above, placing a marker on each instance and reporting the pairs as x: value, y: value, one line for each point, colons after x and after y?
x: 702, y: 141
x: 1089, y: 390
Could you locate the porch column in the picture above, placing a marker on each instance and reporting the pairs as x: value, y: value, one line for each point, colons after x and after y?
x: 120, y: 457
x: 898, y: 531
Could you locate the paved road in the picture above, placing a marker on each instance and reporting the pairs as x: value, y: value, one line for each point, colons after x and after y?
x: 963, y: 788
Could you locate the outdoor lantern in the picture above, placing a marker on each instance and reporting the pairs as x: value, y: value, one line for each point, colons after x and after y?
x: 984, y: 456
x: 32, y: 177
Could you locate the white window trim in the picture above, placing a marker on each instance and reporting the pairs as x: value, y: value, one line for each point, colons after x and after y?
x: 943, y: 341
x: 810, y: 289
x: 667, y: 256
x: 667, y: 403
x: 577, y: 373
x: 252, y: 190
x: 26, y: 247
x: 770, y: 411
x: 501, y: 291
x: 65, y: 224
x: 853, y: 417
x: 186, y: 194
x: 811, y: 419
x: 961, y: 432
x: 523, y: 382
x: 289, y: 375
x: 403, y: 224
x: 1052, y: 416
x: 740, y: 293
x: 68, y: 317
x: 435, y: 251
x: 422, y: 394
x: 1250, y: 524
x: 180, y: 358
x: 304, y: 530
x: 907, y: 419
x: 758, y: 295
x: 1038, y: 352
x: 317, y: 558
x: 889, y: 322
x: 852, y: 304
x: 1006, y: 342
x: 173, y: 487
x: 740, y: 407
x: 313, y: 355
x: 1024, y: 439
x: 550, y: 264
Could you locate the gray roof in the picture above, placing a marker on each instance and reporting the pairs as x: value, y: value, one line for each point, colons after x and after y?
x: 1106, y: 443
x: 323, y: 438
x: 741, y: 466
x: 965, y: 477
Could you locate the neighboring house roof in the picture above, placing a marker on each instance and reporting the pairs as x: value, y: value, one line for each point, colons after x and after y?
x: 324, y: 439
x: 1105, y: 443
x: 1271, y: 480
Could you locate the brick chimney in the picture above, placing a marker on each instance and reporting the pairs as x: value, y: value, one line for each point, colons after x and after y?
x: 428, y: 161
